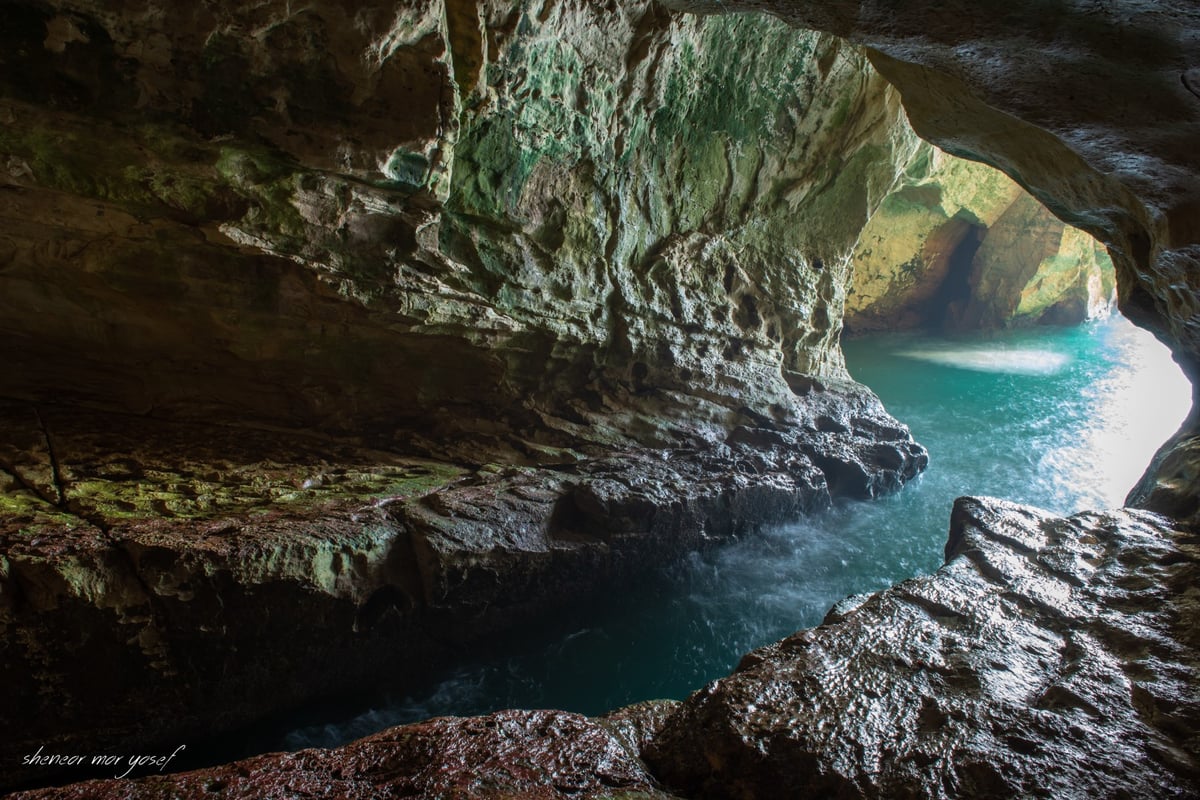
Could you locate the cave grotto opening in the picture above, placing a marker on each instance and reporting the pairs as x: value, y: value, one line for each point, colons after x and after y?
x: 356, y: 340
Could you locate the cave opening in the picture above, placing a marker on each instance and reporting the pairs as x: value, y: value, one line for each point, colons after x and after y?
x: 425, y: 355
x: 951, y: 298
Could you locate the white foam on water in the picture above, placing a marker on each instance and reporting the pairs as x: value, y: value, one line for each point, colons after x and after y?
x: 463, y: 693
x: 1083, y: 445
x: 1013, y: 361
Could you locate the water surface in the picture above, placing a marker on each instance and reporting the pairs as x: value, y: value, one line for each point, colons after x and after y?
x: 1062, y: 419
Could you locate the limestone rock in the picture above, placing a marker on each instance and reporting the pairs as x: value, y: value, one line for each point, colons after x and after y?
x: 521, y: 234
x: 178, y: 570
x: 1049, y: 656
x: 430, y: 315
x: 487, y: 222
x: 959, y: 245
x: 541, y: 755
x: 1058, y: 97
x: 1032, y: 268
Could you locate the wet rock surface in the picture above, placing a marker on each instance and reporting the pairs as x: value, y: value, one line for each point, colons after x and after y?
x: 1056, y: 96
x: 541, y: 755
x: 1049, y: 657
x: 597, y: 271
x: 213, y: 575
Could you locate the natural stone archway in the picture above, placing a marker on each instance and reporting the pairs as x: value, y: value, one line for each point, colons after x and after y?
x: 413, y: 331
x: 583, y: 316
x: 959, y: 246
x: 1092, y: 107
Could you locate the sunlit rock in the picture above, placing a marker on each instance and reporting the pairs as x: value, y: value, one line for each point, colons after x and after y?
x: 1058, y: 98
x: 960, y: 246
x: 591, y: 257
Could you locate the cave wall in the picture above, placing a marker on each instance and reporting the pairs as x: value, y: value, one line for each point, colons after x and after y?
x: 1094, y: 108
x: 515, y: 314
x: 960, y: 246
x: 431, y: 213
x: 289, y: 216
x: 556, y: 221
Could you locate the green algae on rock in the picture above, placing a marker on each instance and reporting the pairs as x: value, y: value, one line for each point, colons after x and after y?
x: 578, y: 241
x: 185, y: 553
x: 958, y: 245
x: 612, y: 198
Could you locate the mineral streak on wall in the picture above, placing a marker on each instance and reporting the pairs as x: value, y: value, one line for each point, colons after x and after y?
x: 413, y: 321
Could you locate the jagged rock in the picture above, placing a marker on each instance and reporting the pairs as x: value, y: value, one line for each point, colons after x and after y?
x: 525, y: 236
x: 177, y: 570
x: 959, y: 245
x: 588, y: 224
x: 545, y: 252
x: 382, y: 220
x: 1048, y: 657
x: 1056, y: 97
x: 540, y: 755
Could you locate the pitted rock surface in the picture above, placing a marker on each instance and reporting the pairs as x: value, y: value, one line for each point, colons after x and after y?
x: 513, y: 221
x: 469, y: 221
x: 539, y: 755
x: 588, y: 233
x: 1056, y: 95
x: 177, y: 560
x: 1049, y: 657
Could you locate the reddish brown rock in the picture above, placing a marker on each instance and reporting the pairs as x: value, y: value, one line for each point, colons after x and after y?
x: 540, y: 755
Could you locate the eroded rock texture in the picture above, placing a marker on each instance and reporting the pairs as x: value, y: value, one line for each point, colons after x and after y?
x: 540, y: 755
x: 960, y: 246
x: 554, y: 289
x: 209, y: 575
x: 378, y: 216
x: 1049, y: 658
x: 568, y: 220
x: 573, y: 274
x: 1059, y: 96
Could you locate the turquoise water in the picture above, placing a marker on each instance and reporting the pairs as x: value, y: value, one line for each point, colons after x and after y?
x: 1062, y: 419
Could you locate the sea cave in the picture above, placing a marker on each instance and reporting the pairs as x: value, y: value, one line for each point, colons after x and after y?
x: 581, y: 399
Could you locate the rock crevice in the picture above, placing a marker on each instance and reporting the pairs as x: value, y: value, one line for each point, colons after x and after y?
x: 172, y: 563
x: 1049, y: 656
